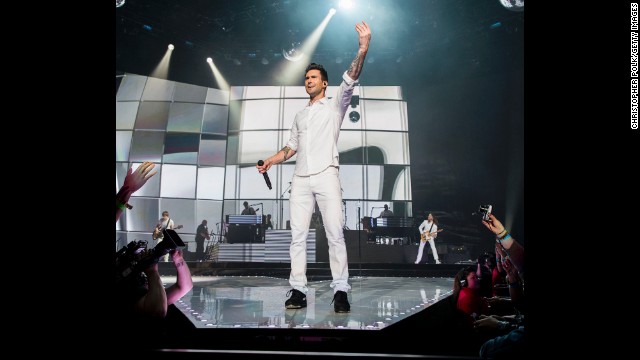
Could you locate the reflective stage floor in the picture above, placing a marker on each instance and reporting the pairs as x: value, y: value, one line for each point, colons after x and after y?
x: 258, y: 302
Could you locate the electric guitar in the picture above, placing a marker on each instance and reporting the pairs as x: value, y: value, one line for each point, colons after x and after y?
x: 157, y: 232
x: 427, y: 236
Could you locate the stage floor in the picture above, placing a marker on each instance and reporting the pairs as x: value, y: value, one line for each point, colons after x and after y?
x: 258, y: 302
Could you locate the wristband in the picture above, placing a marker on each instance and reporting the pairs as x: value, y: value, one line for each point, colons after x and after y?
x: 120, y: 205
x: 504, y: 238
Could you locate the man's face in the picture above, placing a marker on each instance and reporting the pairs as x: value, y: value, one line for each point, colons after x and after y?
x: 313, y: 83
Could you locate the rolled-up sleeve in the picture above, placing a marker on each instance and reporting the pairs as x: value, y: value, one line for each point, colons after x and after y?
x: 293, y: 137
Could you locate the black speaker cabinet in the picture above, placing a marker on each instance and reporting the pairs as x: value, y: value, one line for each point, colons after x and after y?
x: 240, y: 234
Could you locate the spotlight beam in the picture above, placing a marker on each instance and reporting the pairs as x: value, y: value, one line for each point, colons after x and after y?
x: 217, y: 75
x: 162, y: 69
x: 290, y: 72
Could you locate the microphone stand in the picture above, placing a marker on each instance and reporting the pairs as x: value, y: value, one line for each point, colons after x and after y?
x: 359, y: 240
x: 261, y: 226
x: 282, y: 204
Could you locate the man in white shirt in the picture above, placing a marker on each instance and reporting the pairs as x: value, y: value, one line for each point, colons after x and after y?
x: 428, y: 233
x: 314, y: 138
x: 164, y: 223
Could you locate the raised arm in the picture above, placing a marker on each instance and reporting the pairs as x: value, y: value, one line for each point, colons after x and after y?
x: 154, y: 302
x: 515, y: 250
x: 364, y: 37
x: 183, y: 279
x: 132, y: 183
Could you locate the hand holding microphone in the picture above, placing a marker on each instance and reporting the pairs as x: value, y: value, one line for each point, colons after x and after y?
x: 266, y: 176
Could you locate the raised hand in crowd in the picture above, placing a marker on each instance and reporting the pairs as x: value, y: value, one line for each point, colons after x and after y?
x: 133, y: 181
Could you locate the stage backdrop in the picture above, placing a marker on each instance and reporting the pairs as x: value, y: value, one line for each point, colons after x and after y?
x: 206, y: 143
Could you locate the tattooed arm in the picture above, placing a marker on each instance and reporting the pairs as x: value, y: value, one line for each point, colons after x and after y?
x: 364, y: 37
x: 281, y: 156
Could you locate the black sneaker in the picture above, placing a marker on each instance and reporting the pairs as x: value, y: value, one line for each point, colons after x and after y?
x: 340, y: 302
x: 298, y: 300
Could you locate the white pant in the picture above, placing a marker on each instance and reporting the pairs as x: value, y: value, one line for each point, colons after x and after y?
x: 323, y: 188
x: 433, y: 248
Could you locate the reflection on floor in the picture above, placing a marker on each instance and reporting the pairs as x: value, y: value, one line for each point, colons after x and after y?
x: 258, y: 302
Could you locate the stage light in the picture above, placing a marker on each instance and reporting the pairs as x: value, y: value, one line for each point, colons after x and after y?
x: 345, y: 4
x: 354, y: 116
x: 264, y: 61
x: 293, y: 51
x: 513, y: 5
x: 119, y: 3
x: 332, y: 11
x: 209, y: 60
x: 171, y: 47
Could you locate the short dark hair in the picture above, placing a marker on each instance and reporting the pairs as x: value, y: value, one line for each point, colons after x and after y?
x: 323, y: 72
x: 245, y: 203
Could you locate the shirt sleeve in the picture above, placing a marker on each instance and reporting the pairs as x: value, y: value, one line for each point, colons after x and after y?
x: 345, y: 91
x: 293, y: 137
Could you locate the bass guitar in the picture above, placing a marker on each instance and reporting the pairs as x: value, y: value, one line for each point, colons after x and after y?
x: 157, y: 232
x: 428, y: 236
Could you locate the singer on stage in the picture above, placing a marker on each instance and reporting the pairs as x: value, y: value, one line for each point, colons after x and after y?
x: 314, y: 138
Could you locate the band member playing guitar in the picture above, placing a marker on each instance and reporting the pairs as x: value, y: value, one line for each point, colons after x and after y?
x: 164, y: 223
x: 428, y: 232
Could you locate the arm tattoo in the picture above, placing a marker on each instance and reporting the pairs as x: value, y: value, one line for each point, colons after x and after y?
x: 356, y: 66
x: 286, y: 150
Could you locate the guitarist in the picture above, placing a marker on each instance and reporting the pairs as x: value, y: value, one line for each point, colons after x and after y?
x: 164, y: 223
x: 428, y: 233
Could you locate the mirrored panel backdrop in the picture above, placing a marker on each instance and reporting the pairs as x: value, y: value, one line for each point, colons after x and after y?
x: 205, y: 143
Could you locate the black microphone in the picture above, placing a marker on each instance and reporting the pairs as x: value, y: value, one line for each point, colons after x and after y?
x: 266, y: 177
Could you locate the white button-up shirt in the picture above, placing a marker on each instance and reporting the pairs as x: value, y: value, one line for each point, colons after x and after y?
x: 316, y: 128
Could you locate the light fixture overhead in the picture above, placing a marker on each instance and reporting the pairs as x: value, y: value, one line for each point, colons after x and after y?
x: 293, y: 51
x: 119, y: 3
x: 513, y: 5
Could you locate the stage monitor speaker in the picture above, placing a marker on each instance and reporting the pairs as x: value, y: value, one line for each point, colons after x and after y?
x: 240, y: 234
